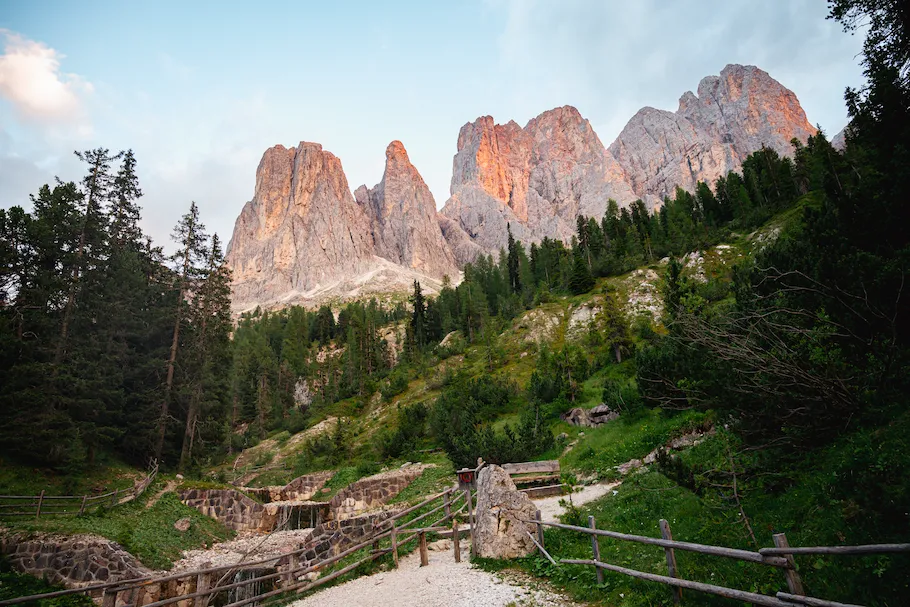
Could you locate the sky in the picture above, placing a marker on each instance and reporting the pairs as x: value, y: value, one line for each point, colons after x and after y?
x: 199, y: 90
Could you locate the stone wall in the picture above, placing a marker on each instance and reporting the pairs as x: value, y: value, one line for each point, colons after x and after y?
x: 234, y: 509
x: 333, y: 537
x: 371, y: 492
x: 301, y: 488
x: 71, y: 560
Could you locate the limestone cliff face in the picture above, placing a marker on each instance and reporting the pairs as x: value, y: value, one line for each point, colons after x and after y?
x: 402, y: 214
x: 537, y: 178
x: 540, y: 177
x: 301, y: 231
x: 733, y: 115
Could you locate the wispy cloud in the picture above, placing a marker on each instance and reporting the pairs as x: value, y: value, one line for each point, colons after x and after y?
x: 32, y: 81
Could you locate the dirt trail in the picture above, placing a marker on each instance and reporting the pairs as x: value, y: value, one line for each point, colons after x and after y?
x: 443, y: 583
x: 170, y: 486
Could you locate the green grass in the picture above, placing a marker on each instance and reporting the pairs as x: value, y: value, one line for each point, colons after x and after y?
x: 148, y: 534
x: 626, y: 438
x: 433, y: 480
x: 17, y: 478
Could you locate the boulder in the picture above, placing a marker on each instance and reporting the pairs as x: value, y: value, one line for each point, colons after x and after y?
x: 501, y: 508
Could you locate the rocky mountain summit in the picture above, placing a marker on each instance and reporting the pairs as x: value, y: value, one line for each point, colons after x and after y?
x: 733, y: 115
x: 304, y: 238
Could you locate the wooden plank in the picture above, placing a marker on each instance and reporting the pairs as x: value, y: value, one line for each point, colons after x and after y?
x: 537, y: 478
x: 424, y: 554
x: 739, y: 595
x: 666, y: 534
x: 595, y: 547
x: 794, y: 582
x: 812, y: 602
x: 733, y: 553
x: 540, y: 541
x: 537, y: 492
x: 456, y: 541
x: 528, y: 467
x: 394, y: 533
x: 866, y: 549
x: 467, y: 496
x: 40, y: 499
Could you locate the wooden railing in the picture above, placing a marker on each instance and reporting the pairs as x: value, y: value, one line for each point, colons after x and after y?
x: 781, y: 557
x: 202, y: 587
x: 71, y: 505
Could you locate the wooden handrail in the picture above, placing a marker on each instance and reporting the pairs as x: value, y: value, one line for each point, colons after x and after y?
x: 734, y: 553
x: 865, y: 549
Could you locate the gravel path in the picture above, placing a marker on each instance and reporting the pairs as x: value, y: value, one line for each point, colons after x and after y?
x: 443, y: 583
x: 550, y: 507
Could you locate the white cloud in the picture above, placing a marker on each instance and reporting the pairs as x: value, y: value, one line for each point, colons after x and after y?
x: 611, y: 58
x: 31, y: 79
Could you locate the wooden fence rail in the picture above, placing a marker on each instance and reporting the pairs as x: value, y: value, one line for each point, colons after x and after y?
x: 48, y: 505
x: 203, y: 588
x: 781, y: 556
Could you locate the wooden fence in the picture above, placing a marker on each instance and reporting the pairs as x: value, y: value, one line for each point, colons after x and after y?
x: 781, y: 557
x: 217, y: 585
x: 71, y: 505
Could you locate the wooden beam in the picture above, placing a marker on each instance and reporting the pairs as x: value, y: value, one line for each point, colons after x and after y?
x: 794, y: 582
x: 866, y: 549
x: 672, y: 570
x: 595, y: 547
x: 424, y: 554
x: 739, y: 595
x: 812, y: 602
x: 529, y: 467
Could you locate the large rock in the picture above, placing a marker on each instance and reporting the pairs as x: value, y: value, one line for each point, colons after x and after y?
x: 499, y: 532
x: 402, y: 215
x: 304, y: 239
x: 301, y: 231
x: 536, y: 179
x: 733, y: 115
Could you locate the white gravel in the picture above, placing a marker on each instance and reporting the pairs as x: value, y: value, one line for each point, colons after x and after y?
x: 443, y: 583
x: 550, y: 508
x: 229, y: 553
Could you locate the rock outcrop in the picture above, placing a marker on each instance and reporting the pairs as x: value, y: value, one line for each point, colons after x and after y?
x: 733, y: 115
x: 301, y: 231
x: 303, y: 238
x: 402, y: 214
x: 501, y: 508
x: 536, y: 179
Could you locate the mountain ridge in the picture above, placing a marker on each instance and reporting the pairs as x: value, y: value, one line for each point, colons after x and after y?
x: 305, y: 237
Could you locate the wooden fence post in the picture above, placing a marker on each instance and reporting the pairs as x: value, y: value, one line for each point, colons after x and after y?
x: 671, y: 559
x: 394, y: 546
x: 794, y: 582
x: 424, y: 555
x: 203, y: 582
x: 456, y: 540
x: 40, y: 500
x: 471, y: 521
x: 595, y: 546
x: 537, y: 516
x: 447, y: 503
x: 82, y: 507
x: 109, y: 598
x: 114, y: 499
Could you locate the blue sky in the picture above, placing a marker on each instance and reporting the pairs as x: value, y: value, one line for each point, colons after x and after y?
x: 200, y: 91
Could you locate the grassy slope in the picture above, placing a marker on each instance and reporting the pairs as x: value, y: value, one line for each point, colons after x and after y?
x: 147, y: 533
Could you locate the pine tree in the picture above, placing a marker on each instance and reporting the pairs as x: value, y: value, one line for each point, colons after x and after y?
x: 190, y: 236
x: 513, y: 262
x: 581, y: 280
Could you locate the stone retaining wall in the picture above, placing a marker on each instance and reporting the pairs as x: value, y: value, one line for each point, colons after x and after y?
x: 71, y: 561
x: 371, y: 492
x: 333, y: 537
x: 234, y: 509
x: 301, y: 488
